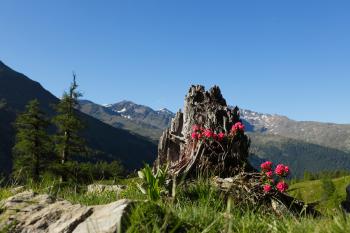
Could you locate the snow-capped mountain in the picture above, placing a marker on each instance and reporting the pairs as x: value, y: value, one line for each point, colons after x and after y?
x: 332, y: 135
x: 138, y: 119
x: 140, y: 113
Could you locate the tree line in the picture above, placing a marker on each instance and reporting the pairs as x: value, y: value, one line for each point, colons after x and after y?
x: 36, y: 151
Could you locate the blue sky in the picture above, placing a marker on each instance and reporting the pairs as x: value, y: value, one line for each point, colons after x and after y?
x: 285, y: 57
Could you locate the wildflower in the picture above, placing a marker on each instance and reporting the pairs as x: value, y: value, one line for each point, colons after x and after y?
x: 269, y: 174
x: 266, y: 166
x: 286, y: 170
x: 267, y: 188
x: 194, y: 135
x: 282, y: 170
x: 221, y: 136
x: 239, y: 126
x: 208, y: 133
x: 282, y: 186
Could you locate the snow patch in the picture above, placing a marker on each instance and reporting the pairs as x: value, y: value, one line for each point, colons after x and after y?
x: 123, y: 110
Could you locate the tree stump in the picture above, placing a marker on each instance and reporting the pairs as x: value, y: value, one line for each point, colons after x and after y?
x: 185, y: 156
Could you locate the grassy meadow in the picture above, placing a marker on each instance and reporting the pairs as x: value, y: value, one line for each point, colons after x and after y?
x: 199, y: 207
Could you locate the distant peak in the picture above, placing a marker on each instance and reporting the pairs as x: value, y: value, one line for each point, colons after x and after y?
x: 126, y: 102
x: 165, y: 110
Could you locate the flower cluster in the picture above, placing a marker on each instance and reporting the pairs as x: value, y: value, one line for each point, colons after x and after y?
x: 238, y: 127
x: 281, y: 171
x: 202, y: 133
x: 199, y: 132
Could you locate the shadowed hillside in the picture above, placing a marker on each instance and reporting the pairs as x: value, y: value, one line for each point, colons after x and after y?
x: 108, y: 142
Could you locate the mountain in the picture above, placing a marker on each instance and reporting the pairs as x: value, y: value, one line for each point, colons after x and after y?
x: 109, y: 143
x: 299, y: 155
x: 140, y: 113
x: 305, y: 145
x: 331, y: 135
x: 127, y: 115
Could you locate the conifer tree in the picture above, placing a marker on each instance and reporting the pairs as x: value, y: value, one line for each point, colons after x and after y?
x: 32, y: 147
x: 69, y: 125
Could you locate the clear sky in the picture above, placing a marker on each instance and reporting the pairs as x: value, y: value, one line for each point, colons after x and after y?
x: 287, y: 57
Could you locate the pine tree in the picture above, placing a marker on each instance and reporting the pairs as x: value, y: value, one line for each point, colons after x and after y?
x: 32, y: 147
x: 69, y: 125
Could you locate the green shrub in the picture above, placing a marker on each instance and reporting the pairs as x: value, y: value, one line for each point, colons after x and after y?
x: 152, y: 185
x: 84, y: 173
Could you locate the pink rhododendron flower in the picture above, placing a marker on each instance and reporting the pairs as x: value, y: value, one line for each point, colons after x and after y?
x: 269, y: 174
x: 194, y: 135
x: 208, y: 133
x: 282, y: 170
x: 286, y: 170
x: 266, y: 166
x: 239, y: 126
x: 282, y: 186
x: 267, y: 188
x: 221, y: 136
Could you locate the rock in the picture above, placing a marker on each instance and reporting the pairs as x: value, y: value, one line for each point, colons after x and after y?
x: 345, y: 205
x: 105, y: 218
x: 207, y: 109
x: 98, y: 188
x: 30, y: 212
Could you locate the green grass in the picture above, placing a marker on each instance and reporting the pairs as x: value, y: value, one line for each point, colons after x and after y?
x: 312, y: 191
x: 198, y: 207
x: 5, y: 193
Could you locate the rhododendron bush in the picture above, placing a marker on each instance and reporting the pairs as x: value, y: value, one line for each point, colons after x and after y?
x: 221, y: 151
x: 200, y: 133
x: 274, y: 180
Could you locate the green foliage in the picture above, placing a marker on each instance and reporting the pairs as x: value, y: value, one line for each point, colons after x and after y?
x: 4, y: 193
x: 328, y: 188
x: 86, y: 173
x: 152, y: 185
x: 69, y: 125
x: 307, y: 176
x: 150, y: 217
x: 299, y: 155
x: 33, y: 146
x: 132, y: 191
x: 313, y: 192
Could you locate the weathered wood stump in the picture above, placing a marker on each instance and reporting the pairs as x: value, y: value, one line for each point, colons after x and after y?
x: 183, y: 155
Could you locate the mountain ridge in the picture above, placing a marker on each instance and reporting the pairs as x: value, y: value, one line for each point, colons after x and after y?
x: 279, y: 138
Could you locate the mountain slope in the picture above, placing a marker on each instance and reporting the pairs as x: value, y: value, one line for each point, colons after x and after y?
x: 308, y: 146
x: 140, y: 113
x: 118, y: 120
x: 127, y: 115
x: 336, y: 136
x: 299, y: 155
x: 111, y: 143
